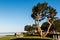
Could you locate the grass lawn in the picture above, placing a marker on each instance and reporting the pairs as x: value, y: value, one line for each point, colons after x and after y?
x: 14, y: 37
x: 8, y: 38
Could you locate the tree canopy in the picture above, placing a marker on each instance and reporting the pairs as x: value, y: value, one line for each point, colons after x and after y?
x: 40, y: 12
x: 55, y: 26
x: 28, y: 28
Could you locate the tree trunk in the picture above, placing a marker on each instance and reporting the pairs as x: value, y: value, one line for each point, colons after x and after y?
x: 39, y: 29
x: 50, y: 24
x: 48, y: 30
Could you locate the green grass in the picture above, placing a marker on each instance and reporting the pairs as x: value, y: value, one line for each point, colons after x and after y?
x: 14, y: 37
x: 8, y: 38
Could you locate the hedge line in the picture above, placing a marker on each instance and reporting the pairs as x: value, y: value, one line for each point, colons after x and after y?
x: 31, y: 39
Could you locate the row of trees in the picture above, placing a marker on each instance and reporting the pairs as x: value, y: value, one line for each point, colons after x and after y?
x: 40, y: 12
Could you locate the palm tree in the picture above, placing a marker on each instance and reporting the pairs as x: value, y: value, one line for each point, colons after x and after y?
x: 40, y: 12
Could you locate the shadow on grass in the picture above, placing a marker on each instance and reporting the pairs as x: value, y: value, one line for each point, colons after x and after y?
x: 29, y: 39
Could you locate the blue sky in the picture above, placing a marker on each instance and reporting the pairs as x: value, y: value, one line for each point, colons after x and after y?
x: 15, y: 14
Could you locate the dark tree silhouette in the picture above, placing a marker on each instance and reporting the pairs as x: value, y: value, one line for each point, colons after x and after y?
x: 40, y: 12
x: 28, y: 28
x: 55, y: 26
